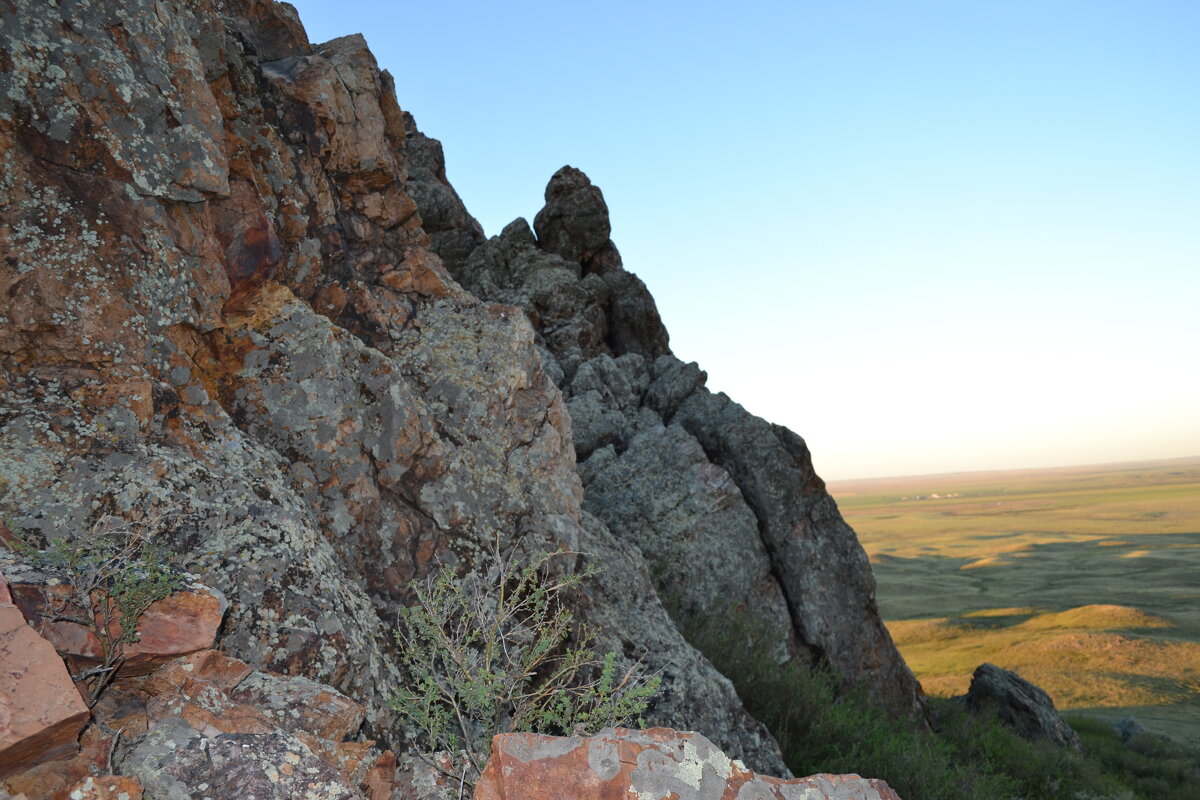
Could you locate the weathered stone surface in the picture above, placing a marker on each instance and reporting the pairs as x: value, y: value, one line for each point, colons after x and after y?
x: 182, y: 622
x: 453, y: 232
x: 227, y: 304
x: 621, y: 607
x: 655, y: 764
x: 574, y: 222
x: 107, y: 787
x: 41, y: 714
x: 822, y: 570
x: 663, y: 496
x: 793, y: 559
x: 295, y: 703
x: 53, y: 780
x: 176, y: 762
x: 1019, y: 703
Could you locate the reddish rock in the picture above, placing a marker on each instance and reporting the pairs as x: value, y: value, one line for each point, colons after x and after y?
x: 107, y: 787
x: 249, y: 242
x: 296, y: 703
x: 41, y: 714
x: 211, y: 666
x: 655, y: 764
x: 54, y: 780
x: 379, y: 783
x: 183, y: 622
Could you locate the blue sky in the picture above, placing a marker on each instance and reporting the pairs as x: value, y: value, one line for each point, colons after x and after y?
x: 927, y: 236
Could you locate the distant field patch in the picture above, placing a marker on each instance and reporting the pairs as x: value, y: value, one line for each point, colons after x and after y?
x: 1086, y: 581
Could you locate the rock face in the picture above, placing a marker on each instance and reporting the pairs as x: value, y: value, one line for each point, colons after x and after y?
x: 724, y: 506
x: 199, y: 726
x: 241, y: 298
x: 1020, y: 704
x: 655, y: 764
x: 182, y: 622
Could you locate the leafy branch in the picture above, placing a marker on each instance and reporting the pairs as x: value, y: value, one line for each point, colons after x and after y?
x: 115, y: 572
x: 499, y: 652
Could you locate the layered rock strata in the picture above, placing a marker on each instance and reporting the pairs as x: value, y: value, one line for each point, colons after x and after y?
x: 228, y: 306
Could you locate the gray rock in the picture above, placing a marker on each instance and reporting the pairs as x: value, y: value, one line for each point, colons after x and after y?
x: 176, y: 762
x: 700, y: 539
x: 622, y: 607
x: 574, y: 222
x: 454, y: 233
x: 228, y: 300
x: 1019, y: 704
x: 1128, y: 728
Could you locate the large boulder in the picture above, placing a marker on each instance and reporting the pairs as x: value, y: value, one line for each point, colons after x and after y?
x: 1020, y: 704
x: 654, y: 764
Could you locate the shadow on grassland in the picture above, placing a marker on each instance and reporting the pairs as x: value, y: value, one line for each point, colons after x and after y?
x: 1109, y: 627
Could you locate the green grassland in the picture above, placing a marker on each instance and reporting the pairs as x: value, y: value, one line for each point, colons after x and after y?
x: 1085, y: 580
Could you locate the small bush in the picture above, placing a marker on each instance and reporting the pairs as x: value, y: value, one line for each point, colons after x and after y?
x: 499, y: 652
x: 116, y: 572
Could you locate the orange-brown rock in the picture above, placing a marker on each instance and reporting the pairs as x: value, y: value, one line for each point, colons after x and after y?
x: 183, y: 622
x: 41, y: 714
x: 54, y: 780
x: 107, y: 787
x: 296, y: 703
x: 655, y: 764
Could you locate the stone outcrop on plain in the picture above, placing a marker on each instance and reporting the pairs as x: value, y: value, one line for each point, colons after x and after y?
x: 689, y: 477
x: 655, y: 764
x: 1020, y: 704
x: 242, y: 298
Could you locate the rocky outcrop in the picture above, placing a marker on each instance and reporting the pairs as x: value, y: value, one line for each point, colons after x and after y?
x: 206, y: 725
x: 1019, y: 704
x: 655, y: 764
x: 724, y: 506
x: 183, y: 622
x: 224, y: 311
x: 242, y: 300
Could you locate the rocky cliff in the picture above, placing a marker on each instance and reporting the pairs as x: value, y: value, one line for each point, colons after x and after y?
x: 238, y: 294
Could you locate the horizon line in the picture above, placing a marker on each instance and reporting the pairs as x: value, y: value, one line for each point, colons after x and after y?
x: 964, y: 472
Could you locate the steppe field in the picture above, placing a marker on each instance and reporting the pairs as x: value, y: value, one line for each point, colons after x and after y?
x: 1085, y: 580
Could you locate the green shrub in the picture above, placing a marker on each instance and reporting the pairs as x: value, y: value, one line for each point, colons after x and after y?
x: 1152, y: 766
x: 115, y: 571
x: 499, y: 652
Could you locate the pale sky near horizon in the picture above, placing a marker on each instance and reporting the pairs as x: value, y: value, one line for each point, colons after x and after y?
x: 926, y: 236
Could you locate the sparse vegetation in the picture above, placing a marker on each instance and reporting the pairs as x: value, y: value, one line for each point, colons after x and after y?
x: 497, y: 651
x: 1100, y: 562
x: 115, y: 571
x: 824, y: 729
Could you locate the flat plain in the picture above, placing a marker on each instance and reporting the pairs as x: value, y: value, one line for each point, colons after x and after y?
x: 1085, y: 580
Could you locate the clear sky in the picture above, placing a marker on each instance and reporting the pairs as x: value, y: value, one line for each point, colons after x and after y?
x: 926, y: 236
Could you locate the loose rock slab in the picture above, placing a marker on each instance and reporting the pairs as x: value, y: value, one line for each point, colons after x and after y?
x: 654, y: 764
x: 41, y: 714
